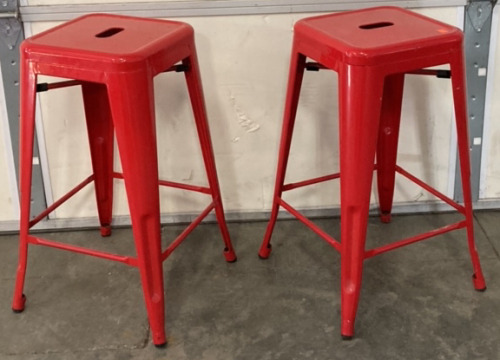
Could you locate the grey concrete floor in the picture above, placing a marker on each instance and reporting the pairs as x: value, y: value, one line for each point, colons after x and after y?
x: 417, y: 302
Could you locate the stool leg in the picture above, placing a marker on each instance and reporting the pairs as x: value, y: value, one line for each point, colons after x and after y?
x: 387, y: 145
x: 27, y: 123
x: 100, y: 131
x: 459, y: 97
x: 360, y: 94
x: 132, y: 105
x: 193, y: 80
x: 295, y: 76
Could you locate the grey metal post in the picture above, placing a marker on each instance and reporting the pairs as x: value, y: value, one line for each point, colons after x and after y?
x: 11, y: 34
x: 477, y: 29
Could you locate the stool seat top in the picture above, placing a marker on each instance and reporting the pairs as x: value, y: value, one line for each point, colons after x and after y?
x: 366, y: 34
x: 116, y: 37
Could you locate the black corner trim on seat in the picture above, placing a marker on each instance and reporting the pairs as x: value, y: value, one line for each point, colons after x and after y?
x: 443, y: 74
x: 42, y: 87
x: 311, y: 66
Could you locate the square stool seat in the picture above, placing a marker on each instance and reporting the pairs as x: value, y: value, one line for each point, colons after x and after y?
x: 103, y: 42
x: 375, y: 36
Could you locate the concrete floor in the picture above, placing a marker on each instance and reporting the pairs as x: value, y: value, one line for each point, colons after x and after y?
x: 417, y: 302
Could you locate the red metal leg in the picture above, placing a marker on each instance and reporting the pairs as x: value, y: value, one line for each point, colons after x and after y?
x: 387, y: 145
x: 132, y: 104
x: 360, y: 94
x: 295, y: 76
x: 27, y: 124
x: 195, y: 89
x: 100, y: 130
x: 459, y: 97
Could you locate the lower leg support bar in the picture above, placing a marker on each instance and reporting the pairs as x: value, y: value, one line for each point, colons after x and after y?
x: 433, y: 191
x: 414, y: 239
x: 311, y: 225
x: 81, y: 250
x: 187, y: 231
x: 59, y: 202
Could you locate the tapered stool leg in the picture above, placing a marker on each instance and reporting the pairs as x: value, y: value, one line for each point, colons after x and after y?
x: 195, y: 89
x: 100, y: 131
x: 387, y: 145
x: 460, y: 101
x: 136, y: 138
x: 360, y: 94
x: 296, y: 74
x: 27, y: 124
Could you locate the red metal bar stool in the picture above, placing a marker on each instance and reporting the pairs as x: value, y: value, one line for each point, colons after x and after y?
x: 372, y: 50
x: 114, y: 59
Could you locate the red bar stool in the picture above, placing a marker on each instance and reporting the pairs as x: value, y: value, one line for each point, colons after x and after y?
x: 372, y: 50
x: 114, y: 59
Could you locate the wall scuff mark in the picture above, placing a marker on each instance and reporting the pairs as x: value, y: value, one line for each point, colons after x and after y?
x: 246, y: 123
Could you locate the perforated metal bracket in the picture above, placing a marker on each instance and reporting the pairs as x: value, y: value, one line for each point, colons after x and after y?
x: 479, y: 12
x: 11, y: 34
x: 477, y: 29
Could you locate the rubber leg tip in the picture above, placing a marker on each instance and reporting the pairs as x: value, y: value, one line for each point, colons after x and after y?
x: 230, y: 255
x: 161, y: 346
x: 105, y: 230
x: 385, y: 218
x: 479, y: 283
x: 19, y: 308
x: 265, y: 252
x: 347, y: 337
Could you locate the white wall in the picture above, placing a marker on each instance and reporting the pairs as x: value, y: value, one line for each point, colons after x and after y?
x: 8, y: 188
x: 7, y: 205
x: 244, y: 65
x: 491, y: 164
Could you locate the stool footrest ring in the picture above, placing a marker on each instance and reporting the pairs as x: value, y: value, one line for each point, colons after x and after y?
x: 310, y: 225
x: 430, y: 189
x: 424, y: 236
x: 81, y: 250
x: 173, y: 184
x: 317, y: 180
x: 59, y: 202
x: 187, y: 231
x: 373, y: 252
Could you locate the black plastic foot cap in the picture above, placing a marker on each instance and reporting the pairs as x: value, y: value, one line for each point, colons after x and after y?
x: 23, y: 301
x: 347, y: 337
x: 264, y: 253
x: 161, y: 346
x: 482, y: 290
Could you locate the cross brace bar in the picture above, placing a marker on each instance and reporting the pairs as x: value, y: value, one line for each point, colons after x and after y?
x: 440, y: 73
x: 382, y: 249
